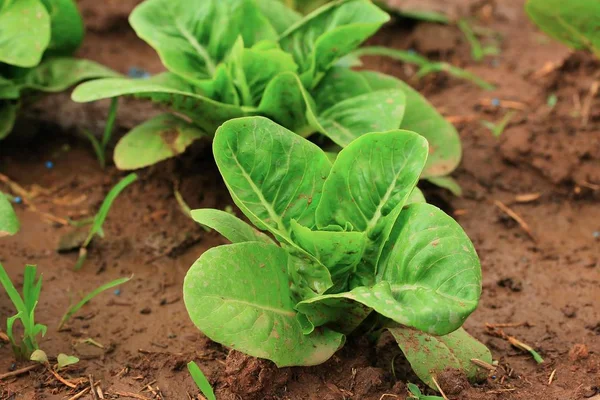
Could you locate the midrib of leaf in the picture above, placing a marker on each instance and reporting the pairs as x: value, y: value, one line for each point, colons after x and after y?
x: 268, y: 206
x: 586, y: 42
x: 279, y: 311
x: 210, y: 65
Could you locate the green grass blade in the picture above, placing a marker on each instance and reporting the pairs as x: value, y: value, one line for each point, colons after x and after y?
x: 201, y: 381
x: 476, y: 50
x: 399, y: 55
x: 31, y: 289
x: 73, y: 309
x: 97, y: 147
x: 105, y: 207
x: 110, y: 122
x: 12, y: 292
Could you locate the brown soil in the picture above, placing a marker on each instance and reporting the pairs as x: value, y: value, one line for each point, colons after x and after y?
x: 548, y: 281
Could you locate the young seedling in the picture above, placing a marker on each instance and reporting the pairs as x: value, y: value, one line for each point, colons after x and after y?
x: 271, y: 61
x: 415, y: 393
x: 201, y: 381
x: 100, y: 217
x: 25, y: 307
x: 350, y: 253
x: 100, y: 145
x: 36, y: 39
x: 478, y: 52
x: 497, y: 129
x: 76, y: 307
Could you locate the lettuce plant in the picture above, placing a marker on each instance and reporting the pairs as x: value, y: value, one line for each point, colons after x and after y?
x: 573, y: 22
x: 339, y: 249
x: 237, y: 58
x: 36, y: 38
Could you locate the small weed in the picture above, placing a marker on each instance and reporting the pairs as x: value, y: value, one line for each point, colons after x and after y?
x: 415, y: 393
x: 73, y: 309
x: 201, y: 381
x: 25, y: 311
x: 497, y: 129
x: 100, y: 146
x: 101, y: 216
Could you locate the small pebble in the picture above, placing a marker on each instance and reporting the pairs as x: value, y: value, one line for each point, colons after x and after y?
x: 49, y: 164
x: 411, y: 51
x: 596, y: 234
x: 146, y: 310
x: 496, y: 102
x: 135, y: 72
x: 18, y: 200
x: 117, y: 292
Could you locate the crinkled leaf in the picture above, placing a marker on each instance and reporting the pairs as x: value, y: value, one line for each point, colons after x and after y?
x: 340, y: 252
x: 234, y: 229
x: 238, y: 295
x: 9, y: 223
x: 329, y: 33
x: 253, y: 69
x: 58, y: 74
x: 66, y: 26
x: 369, y: 183
x: 431, y: 355
x: 279, y: 15
x: 8, y: 116
x: 428, y: 278
x: 273, y: 175
x: 157, y: 139
x: 166, y: 89
x: 24, y: 32
x: 420, y: 116
x: 575, y: 23
x: 193, y: 36
x: 432, y: 270
x: 337, y: 312
x: 286, y: 102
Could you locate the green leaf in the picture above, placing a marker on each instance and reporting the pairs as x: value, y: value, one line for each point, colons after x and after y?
x: 416, y: 197
x: 279, y: 15
x: 25, y: 32
x: 193, y: 36
x: 369, y: 183
x: 445, y: 149
x: 166, y: 89
x: 64, y: 360
x: 8, y: 116
x: 286, y: 102
x: 348, y: 107
x: 8, y: 89
x: 574, y: 23
x: 447, y: 182
x: 201, y: 381
x: 9, y: 224
x: 155, y: 140
x: 66, y: 26
x: 234, y: 229
x: 252, y: 69
x: 431, y: 355
x: 429, y: 271
x: 273, y: 174
x: 340, y: 252
x: 329, y: 33
x: 238, y: 295
x: 58, y: 74
x: 39, y: 356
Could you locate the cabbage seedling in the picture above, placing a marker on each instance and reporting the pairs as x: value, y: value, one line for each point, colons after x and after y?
x: 36, y: 40
x: 351, y: 249
x: 237, y: 58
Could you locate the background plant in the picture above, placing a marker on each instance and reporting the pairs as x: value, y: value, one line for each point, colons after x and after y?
x: 36, y: 39
x: 574, y: 22
x: 355, y: 253
x: 240, y: 58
